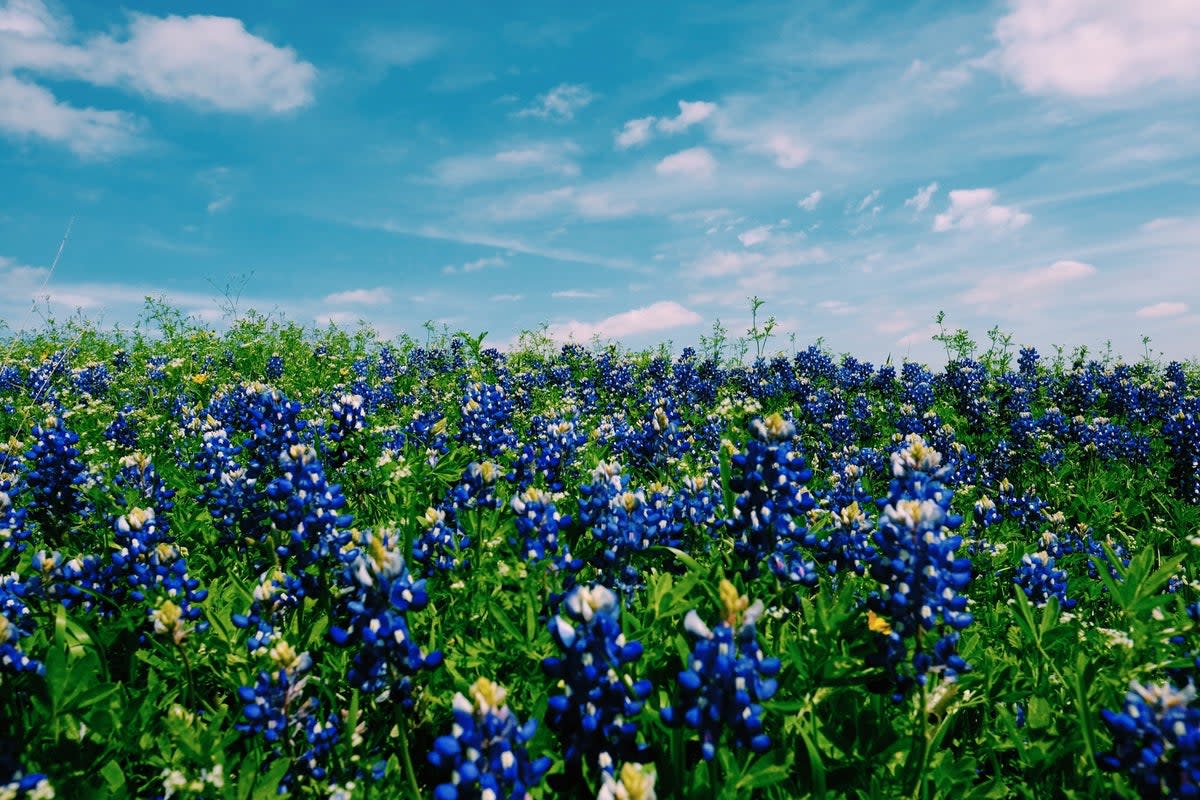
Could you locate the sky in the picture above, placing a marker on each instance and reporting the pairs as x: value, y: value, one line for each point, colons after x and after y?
x: 629, y: 171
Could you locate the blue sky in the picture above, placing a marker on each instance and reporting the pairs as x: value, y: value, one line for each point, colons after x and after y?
x: 633, y: 171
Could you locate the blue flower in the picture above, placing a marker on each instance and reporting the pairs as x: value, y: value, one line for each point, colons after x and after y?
x: 485, y: 756
x: 595, y: 714
x: 727, y: 679
x: 922, y: 577
x: 1156, y: 740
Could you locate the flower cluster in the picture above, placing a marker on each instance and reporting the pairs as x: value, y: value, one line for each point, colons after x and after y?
x: 1156, y: 740
x: 53, y: 477
x: 15, y: 624
x: 594, y: 715
x: 922, y: 577
x: 485, y: 756
x: 372, y: 619
x: 727, y: 679
x: 772, y: 501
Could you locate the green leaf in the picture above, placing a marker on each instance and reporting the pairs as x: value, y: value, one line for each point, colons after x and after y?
x: 113, y: 776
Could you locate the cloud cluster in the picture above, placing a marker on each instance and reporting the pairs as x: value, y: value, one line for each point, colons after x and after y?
x: 641, y: 130
x: 656, y: 317
x: 1085, y: 48
x: 977, y: 208
x: 208, y: 62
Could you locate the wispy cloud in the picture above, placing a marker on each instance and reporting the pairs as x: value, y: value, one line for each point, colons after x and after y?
x: 364, y: 297
x: 977, y: 208
x: 474, y: 266
x: 560, y: 103
x: 636, y: 132
x: 755, y: 236
x: 506, y: 298
x: 1031, y: 288
x: 661, y: 316
x: 810, y: 201
x: 529, y: 159
x: 1162, y: 310
x: 695, y: 162
x: 920, y: 200
x: 575, y: 294
x: 689, y: 114
x: 30, y: 111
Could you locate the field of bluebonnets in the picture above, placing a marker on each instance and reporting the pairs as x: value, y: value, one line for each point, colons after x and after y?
x: 272, y: 560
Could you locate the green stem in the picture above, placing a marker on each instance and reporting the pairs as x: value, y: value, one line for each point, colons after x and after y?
x: 406, y: 756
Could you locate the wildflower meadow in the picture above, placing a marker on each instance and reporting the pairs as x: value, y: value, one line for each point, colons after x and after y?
x: 271, y: 560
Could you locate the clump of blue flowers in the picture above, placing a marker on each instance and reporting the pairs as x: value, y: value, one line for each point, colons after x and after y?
x: 772, y: 499
x: 727, y: 677
x: 373, y: 620
x: 922, y: 576
x: 485, y: 755
x: 1156, y: 740
x: 594, y: 715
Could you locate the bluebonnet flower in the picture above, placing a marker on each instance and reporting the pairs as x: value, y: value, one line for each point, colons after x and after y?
x: 232, y: 495
x: 76, y: 583
x: 274, y: 368
x: 727, y: 679
x: 549, y: 454
x: 26, y: 786
x: 16, y: 623
x: 309, y: 515
x: 373, y: 620
x: 349, y: 415
x: 772, y: 503
x: 633, y: 523
x: 122, y: 431
x: 486, y: 420
x: 1040, y: 580
x: 476, y: 489
x: 594, y: 716
x: 13, y: 531
x: 485, y: 755
x: 1156, y: 740
x: 538, y: 522
x: 633, y: 782
x: 53, y: 478
x: 276, y: 594
x: 847, y: 545
x: 92, y: 380
x: 922, y: 577
x: 440, y: 545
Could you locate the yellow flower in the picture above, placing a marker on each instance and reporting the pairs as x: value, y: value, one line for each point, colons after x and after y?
x: 878, y: 624
x: 199, y: 378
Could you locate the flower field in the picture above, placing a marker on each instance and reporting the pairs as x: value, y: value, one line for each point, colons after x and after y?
x: 276, y: 561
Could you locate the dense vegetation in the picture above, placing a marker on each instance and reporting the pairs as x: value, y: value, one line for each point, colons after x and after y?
x: 277, y: 560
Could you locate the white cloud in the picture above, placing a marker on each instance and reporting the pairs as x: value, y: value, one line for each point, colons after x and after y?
x: 1161, y: 310
x: 341, y: 319
x: 635, y: 132
x: 977, y: 208
x: 476, y: 265
x: 810, y: 202
x: 567, y: 199
x: 219, y: 204
x: 1086, y: 48
x: 29, y: 19
x: 689, y: 115
x: 364, y: 297
x: 399, y: 48
x: 560, y: 103
x: 920, y: 200
x: 660, y: 316
x: 838, y: 307
x: 868, y: 200
x: 1032, y: 287
x: 787, y: 152
x: 28, y: 110
x: 755, y: 236
x: 695, y: 162
x: 548, y: 158
x: 574, y: 294
x: 1161, y: 223
x: 506, y: 298
x: 209, y: 61
x: 919, y: 336
x: 721, y: 263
